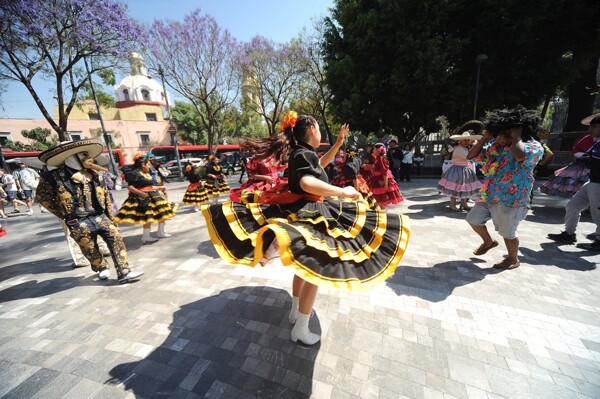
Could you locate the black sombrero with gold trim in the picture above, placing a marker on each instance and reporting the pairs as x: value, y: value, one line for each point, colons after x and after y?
x: 474, y: 125
x: 56, y: 156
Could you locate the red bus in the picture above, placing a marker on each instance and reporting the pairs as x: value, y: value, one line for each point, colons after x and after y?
x: 190, y: 151
x: 31, y: 158
x: 201, y: 151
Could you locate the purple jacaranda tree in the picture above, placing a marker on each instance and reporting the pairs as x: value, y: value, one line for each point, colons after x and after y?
x: 50, y: 38
x: 201, y: 62
x: 273, y: 76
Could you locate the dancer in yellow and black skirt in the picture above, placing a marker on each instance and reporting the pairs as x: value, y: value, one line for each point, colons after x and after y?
x: 331, y: 241
x: 215, y: 179
x: 195, y: 194
x: 146, y: 203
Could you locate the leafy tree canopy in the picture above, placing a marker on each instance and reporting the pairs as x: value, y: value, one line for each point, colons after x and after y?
x: 40, y: 139
x: 398, y: 64
x: 187, y: 119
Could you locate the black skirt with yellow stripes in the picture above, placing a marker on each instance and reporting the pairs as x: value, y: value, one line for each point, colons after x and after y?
x: 195, y: 194
x: 154, y: 209
x: 338, y: 242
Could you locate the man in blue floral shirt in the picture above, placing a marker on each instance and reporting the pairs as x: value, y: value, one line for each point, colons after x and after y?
x: 509, y: 159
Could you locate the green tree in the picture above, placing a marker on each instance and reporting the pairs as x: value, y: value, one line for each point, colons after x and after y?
x: 105, y: 99
x: 40, y: 139
x: 389, y: 64
x: 399, y: 64
x: 315, y: 92
x: 250, y: 123
x: 187, y: 119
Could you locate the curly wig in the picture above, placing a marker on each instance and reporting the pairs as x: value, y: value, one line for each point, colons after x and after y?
x: 505, y: 119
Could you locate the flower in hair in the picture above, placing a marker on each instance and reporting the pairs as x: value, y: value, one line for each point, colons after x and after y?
x: 289, y: 120
x: 138, y: 156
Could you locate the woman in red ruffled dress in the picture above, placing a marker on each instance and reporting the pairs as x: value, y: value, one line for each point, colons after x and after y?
x: 381, y: 182
x: 264, y: 168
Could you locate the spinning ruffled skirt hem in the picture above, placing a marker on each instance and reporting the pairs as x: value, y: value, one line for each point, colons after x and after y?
x: 459, y: 181
x: 195, y: 195
x: 217, y: 187
x: 338, y: 242
x: 567, y: 181
x: 154, y: 209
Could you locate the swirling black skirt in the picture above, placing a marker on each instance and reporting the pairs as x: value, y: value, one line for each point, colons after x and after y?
x: 337, y: 243
x: 154, y: 209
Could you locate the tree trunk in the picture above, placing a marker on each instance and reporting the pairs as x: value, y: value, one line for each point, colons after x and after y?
x: 581, y: 99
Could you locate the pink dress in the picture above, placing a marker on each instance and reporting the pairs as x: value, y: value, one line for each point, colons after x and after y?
x: 376, y: 182
x: 568, y: 180
x: 264, y: 167
x: 460, y: 179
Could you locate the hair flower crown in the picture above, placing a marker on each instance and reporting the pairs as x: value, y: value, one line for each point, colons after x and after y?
x: 289, y: 120
x: 138, y: 156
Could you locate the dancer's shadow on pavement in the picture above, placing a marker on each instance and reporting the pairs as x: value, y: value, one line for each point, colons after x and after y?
x: 38, y: 289
x: 436, y: 283
x: 552, y: 255
x: 235, y: 344
x: 430, y: 211
x: 50, y: 265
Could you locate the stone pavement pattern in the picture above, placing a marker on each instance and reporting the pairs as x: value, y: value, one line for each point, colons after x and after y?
x: 446, y: 325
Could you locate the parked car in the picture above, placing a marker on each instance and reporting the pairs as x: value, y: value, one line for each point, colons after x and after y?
x: 171, y: 166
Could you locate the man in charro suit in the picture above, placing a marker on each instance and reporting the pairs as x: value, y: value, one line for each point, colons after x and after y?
x: 75, y: 192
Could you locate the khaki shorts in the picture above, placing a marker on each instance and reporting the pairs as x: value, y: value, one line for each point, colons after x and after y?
x: 506, y: 219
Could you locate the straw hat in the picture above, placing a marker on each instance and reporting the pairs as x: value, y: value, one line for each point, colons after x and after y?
x: 587, y: 121
x: 466, y: 136
x: 57, y: 155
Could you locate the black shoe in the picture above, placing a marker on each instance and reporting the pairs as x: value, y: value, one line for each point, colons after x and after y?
x: 16, y: 211
x: 563, y: 237
x: 590, y: 246
x: 130, y: 277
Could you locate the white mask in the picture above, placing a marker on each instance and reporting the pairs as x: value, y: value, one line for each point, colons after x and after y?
x: 73, y: 162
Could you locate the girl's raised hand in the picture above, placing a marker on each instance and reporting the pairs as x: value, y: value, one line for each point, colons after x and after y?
x: 343, y: 132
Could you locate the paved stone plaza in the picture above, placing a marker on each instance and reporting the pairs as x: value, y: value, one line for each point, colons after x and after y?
x: 446, y: 325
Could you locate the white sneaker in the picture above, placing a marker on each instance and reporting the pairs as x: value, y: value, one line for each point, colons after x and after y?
x: 104, y: 274
x: 164, y: 235
x: 29, y: 212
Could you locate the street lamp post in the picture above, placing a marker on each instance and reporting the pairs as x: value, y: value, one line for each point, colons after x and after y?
x: 172, y: 128
x: 104, y: 133
x: 478, y: 60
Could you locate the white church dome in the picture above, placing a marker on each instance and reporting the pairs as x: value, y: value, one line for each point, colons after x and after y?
x: 139, y: 87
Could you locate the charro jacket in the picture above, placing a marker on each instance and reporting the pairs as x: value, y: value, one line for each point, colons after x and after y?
x: 66, y: 199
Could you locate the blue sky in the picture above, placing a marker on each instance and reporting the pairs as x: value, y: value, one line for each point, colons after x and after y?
x: 278, y: 20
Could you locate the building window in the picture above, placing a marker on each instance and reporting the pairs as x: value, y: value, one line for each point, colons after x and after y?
x: 144, y: 138
x: 94, y: 116
x: 74, y: 136
x: 126, y: 94
x: 151, y: 117
x: 4, y: 137
x: 145, y: 95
